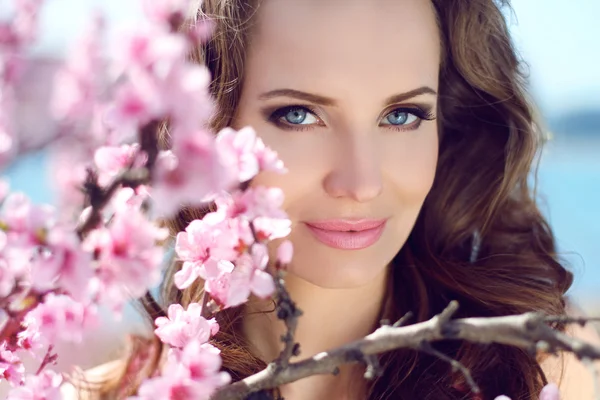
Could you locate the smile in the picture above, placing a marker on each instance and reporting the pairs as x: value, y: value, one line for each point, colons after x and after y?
x: 347, y: 234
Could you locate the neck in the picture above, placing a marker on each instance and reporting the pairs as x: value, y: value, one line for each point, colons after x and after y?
x: 331, y: 318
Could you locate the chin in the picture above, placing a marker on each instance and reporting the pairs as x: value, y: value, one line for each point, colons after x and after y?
x: 337, y: 271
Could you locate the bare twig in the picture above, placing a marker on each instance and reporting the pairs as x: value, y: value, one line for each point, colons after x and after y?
x: 523, y: 331
x: 99, y: 197
x: 289, y: 313
x: 402, y: 321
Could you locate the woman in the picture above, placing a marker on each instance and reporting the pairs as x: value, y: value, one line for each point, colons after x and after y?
x: 406, y: 122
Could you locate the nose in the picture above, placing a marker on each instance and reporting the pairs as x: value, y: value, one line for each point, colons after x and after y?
x: 356, y: 172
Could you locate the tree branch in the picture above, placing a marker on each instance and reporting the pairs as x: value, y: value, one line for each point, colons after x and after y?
x: 527, y: 331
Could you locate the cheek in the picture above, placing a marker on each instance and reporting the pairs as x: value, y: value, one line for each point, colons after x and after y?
x: 410, y: 163
x: 306, y: 156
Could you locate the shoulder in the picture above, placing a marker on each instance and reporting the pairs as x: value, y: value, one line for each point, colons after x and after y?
x: 574, y: 378
x: 88, y: 384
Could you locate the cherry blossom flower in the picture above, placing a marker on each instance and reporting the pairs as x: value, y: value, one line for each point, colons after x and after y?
x: 161, y: 83
x: 285, y: 252
x: 237, y: 151
x: 186, y: 175
x: 550, y: 392
x: 203, y: 243
x: 44, y: 386
x: 272, y: 228
x: 67, y: 166
x: 137, y: 102
x: 111, y: 160
x: 183, y: 326
x: 26, y: 223
x: 261, y: 201
x: 235, y: 283
x: 62, y: 264
x: 128, y: 255
x: 59, y: 317
x: 191, y: 373
x: 268, y: 160
x: 8, y: 273
x: 162, y: 10
x: 77, y: 83
x: 11, y: 367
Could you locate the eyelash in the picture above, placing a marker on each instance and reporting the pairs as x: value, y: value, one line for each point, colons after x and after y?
x: 423, y: 113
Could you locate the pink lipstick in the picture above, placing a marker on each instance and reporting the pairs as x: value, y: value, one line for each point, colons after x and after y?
x: 347, y: 234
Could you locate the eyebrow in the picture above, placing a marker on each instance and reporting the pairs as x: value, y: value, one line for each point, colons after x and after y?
x: 327, y: 101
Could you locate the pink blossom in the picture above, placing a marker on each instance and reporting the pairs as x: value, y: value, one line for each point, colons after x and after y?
x: 203, y: 243
x: 44, y: 386
x: 162, y: 10
x: 191, y: 373
x: 183, y: 326
x: 59, y: 317
x: 191, y: 106
x: 234, y: 284
x: 62, y: 264
x: 68, y: 169
x: 7, y: 124
x: 261, y: 201
x: 8, y: 273
x: 261, y: 282
x: 186, y: 175
x: 25, y: 222
x: 11, y: 367
x: 137, y: 102
x: 129, y: 255
x: 285, y: 252
x: 237, y: 152
x: 161, y: 83
x: 127, y: 199
x: 231, y: 287
x: 271, y: 228
x: 202, y: 30
x: 550, y: 392
x: 268, y: 160
x: 153, y: 47
x: 77, y: 83
x: 111, y: 160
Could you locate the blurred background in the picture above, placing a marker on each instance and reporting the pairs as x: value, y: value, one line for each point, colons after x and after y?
x: 559, y: 44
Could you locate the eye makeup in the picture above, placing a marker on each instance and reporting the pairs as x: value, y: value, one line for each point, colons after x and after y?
x: 276, y: 116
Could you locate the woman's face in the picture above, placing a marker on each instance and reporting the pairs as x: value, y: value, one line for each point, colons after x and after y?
x: 345, y: 92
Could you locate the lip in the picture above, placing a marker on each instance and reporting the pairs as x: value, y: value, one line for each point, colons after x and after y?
x: 347, y: 234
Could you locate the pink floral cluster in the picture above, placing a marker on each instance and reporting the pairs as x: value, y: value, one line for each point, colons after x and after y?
x: 16, y: 32
x: 101, y: 249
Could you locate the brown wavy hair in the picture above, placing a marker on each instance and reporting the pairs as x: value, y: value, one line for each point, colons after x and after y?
x: 479, y: 239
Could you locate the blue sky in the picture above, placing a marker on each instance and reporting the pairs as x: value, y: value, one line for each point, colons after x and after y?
x: 558, y: 39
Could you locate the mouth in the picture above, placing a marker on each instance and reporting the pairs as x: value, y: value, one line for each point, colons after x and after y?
x: 347, y: 234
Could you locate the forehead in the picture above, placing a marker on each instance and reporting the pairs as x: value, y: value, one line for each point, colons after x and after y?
x: 331, y: 44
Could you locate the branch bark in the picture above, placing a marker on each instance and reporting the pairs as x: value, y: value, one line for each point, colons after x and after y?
x: 527, y: 331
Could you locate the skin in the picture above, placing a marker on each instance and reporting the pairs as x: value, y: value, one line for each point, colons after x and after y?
x: 354, y: 158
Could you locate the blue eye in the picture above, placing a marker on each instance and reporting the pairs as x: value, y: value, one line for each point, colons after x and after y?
x: 400, y: 117
x: 295, y: 116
